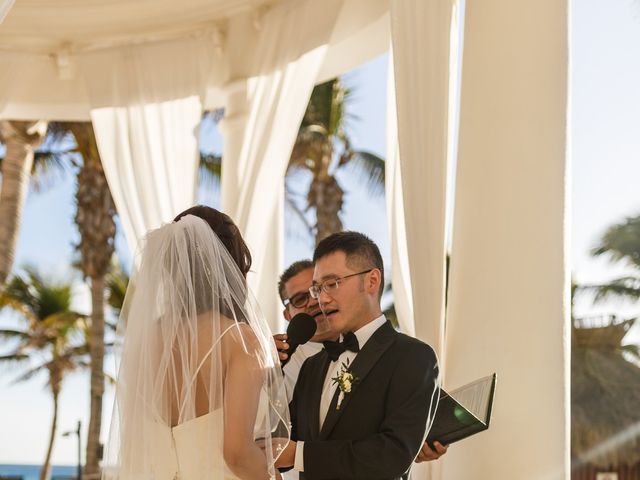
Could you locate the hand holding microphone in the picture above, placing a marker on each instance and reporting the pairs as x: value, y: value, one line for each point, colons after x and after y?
x: 300, y: 330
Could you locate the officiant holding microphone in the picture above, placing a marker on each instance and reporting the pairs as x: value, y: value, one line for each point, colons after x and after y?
x: 361, y: 407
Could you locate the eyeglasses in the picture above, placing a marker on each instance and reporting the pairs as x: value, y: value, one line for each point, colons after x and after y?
x: 299, y: 300
x: 331, y: 285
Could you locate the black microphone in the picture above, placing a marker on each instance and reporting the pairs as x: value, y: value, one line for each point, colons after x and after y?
x: 300, y: 330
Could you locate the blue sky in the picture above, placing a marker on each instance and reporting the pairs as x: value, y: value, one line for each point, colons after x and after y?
x: 605, y: 146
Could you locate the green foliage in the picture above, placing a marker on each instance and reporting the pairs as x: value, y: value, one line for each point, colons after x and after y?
x: 323, y: 146
x: 621, y: 244
x: 54, y: 337
x: 117, y: 282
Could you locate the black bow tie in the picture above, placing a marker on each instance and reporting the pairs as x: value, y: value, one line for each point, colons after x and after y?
x: 335, y: 349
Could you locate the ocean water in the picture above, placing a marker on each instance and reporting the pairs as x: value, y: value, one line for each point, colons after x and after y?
x: 32, y: 472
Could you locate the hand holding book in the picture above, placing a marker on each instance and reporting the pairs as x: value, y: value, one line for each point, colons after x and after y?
x: 463, y: 412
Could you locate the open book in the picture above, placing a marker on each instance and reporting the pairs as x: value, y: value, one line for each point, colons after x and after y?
x: 463, y: 411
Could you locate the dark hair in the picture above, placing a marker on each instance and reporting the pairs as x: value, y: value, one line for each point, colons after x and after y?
x: 294, y: 269
x: 227, y: 232
x: 360, y: 250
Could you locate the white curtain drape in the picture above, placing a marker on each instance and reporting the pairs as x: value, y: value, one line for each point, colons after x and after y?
x: 400, y: 268
x: 150, y: 157
x: 147, y: 135
x: 252, y: 186
x: 509, y: 287
x: 420, y: 33
x: 424, y: 61
x: 5, y: 6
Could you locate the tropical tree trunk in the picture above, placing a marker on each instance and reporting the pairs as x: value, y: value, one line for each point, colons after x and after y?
x: 20, y: 139
x: 325, y: 194
x: 97, y: 374
x: 95, y: 220
x: 45, y: 473
x: 328, y: 201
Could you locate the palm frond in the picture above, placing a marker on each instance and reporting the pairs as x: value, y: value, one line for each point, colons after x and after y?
x: 370, y: 168
x: 29, y: 374
x: 7, y: 301
x: 49, y: 166
x: 300, y: 227
x: 623, y: 287
x: 14, y: 357
x: 10, y: 334
x: 47, y: 297
x: 58, y: 132
x: 631, y: 350
x: 116, y: 283
x: 78, y: 350
x: 18, y: 294
x: 64, y: 325
x: 621, y: 242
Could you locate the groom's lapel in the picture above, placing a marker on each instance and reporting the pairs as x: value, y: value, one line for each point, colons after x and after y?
x: 316, y: 393
x: 379, y: 342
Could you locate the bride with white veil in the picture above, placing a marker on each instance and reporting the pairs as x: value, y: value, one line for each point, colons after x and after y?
x: 199, y: 394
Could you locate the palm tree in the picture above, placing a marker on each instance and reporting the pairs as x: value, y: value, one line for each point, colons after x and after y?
x: 20, y: 139
x: 95, y: 220
x: 621, y: 242
x: 117, y: 282
x: 323, y: 146
x: 54, y: 337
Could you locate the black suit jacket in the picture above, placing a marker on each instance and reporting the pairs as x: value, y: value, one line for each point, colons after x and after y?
x: 381, y: 424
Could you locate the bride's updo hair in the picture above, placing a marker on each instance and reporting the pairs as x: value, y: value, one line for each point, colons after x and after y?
x: 227, y: 232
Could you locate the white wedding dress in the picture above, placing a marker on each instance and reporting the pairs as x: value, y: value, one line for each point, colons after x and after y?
x: 191, y: 450
x: 177, y: 386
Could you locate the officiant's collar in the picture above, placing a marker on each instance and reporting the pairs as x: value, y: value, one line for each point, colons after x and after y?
x: 363, y: 334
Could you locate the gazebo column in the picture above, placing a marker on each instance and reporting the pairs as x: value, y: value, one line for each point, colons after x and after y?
x: 508, y: 304
x: 232, y: 127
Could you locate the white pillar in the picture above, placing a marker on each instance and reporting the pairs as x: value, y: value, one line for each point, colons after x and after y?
x: 508, y: 300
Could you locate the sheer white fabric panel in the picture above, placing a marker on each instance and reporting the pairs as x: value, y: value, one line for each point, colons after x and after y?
x: 252, y: 189
x: 420, y: 32
x: 400, y: 278
x: 5, y: 6
x: 146, y: 128
x: 508, y: 309
x: 150, y: 157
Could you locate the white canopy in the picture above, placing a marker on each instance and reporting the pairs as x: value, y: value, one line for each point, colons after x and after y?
x: 143, y: 70
x: 58, y: 56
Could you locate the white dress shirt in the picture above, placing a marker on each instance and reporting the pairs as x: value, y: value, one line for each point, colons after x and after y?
x: 329, y: 388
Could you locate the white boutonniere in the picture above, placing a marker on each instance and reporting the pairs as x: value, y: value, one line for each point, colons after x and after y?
x: 345, y: 380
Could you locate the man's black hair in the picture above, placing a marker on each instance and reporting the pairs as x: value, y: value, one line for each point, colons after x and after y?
x: 294, y: 269
x: 360, y: 250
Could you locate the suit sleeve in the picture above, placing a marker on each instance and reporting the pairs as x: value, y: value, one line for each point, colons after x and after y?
x: 293, y: 415
x: 411, y: 399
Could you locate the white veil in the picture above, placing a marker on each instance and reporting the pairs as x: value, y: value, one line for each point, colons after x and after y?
x: 199, y: 373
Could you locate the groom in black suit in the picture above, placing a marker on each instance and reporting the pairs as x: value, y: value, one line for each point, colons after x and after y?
x: 361, y: 408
